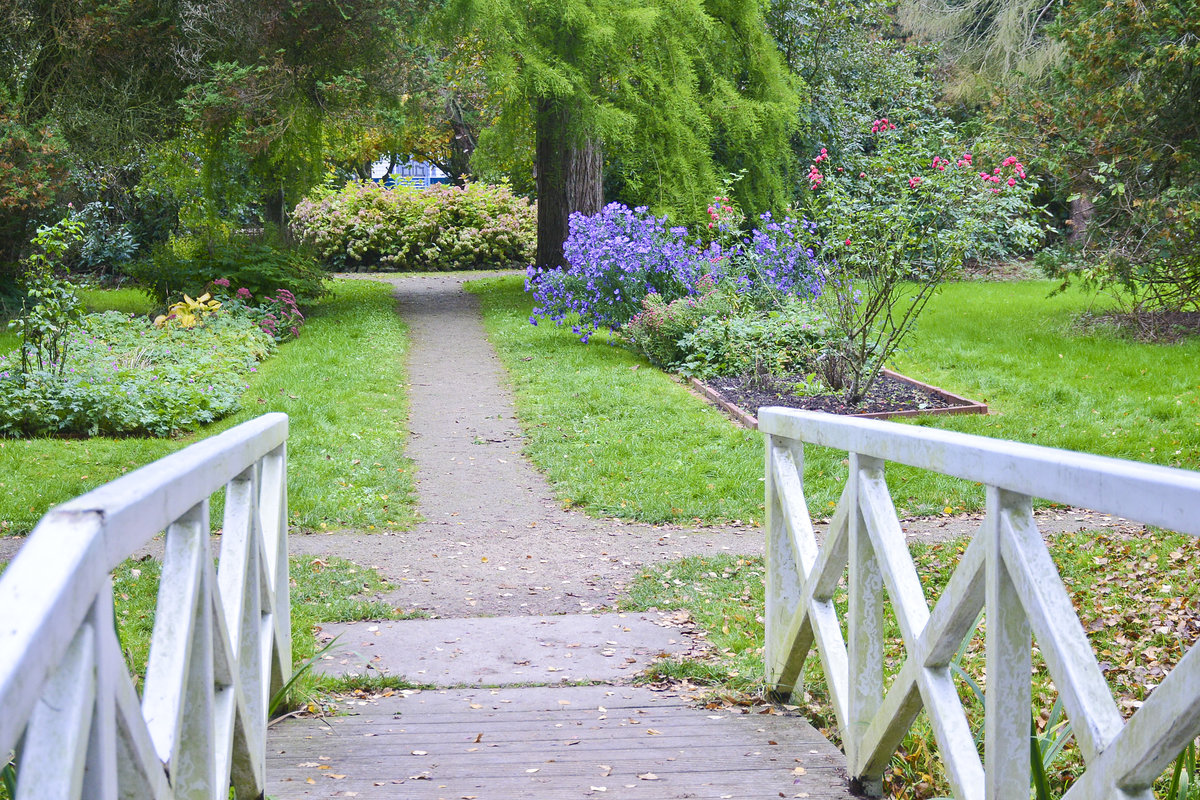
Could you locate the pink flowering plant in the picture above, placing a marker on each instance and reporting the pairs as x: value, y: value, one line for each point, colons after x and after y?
x: 890, y: 226
x: 278, y: 315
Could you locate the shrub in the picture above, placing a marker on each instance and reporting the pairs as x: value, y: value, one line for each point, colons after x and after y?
x: 720, y: 333
x: 124, y: 377
x: 892, y: 226
x: 187, y: 264
x: 365, y: 225
x: 616, y: 258
x: 106, y: 244
x: 658, y: 330
x: 50, y: 308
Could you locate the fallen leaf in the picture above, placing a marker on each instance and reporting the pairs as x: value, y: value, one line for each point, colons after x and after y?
x: 648, y: 776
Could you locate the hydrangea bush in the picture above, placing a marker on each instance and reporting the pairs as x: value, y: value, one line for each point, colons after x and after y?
x: 365, y: 225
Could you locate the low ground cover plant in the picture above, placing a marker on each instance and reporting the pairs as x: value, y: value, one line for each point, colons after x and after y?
x: 122, y: 376
x: 346, y: 464
x: 118, y: 374
x: 365, y: 225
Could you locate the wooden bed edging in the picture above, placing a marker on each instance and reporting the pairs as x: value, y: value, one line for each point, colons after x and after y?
x: 958, y: 405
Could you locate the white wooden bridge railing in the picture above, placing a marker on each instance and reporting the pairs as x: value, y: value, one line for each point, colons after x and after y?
x: 221, y: 642
x: 1006, y: 571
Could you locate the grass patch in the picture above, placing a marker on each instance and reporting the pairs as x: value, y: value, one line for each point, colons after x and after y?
x: 342, y: 385
x: 327, y: 589
x: 127, y: 301
x: 1137, y: 597
x: 617, y: 437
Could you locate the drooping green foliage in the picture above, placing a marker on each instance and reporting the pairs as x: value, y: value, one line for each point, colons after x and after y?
x: 1123, y: 118
x: 679, y: 94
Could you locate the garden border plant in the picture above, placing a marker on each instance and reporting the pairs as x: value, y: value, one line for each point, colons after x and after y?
x: 346, y: 401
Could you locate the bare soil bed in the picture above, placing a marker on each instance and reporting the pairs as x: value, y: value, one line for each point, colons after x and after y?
x: 752, y: 392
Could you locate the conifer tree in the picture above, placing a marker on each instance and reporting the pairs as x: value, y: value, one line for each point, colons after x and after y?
x: 670, y: 96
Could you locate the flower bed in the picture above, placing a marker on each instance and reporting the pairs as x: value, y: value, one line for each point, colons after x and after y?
x: 820, y: 302
x: 115, y: 374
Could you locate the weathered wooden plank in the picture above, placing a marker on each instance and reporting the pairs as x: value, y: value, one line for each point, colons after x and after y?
x: 703, y: 785
x: 549, y: 743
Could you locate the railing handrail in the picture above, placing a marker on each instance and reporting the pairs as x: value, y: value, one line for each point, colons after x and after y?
x: 1083, y: 480
x: 1006, y: 571
x: 51, y: 588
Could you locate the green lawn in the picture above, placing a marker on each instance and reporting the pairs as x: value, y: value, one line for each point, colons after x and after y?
x: 617, y: 437
x: 342, y: 383
x: 129, y: 301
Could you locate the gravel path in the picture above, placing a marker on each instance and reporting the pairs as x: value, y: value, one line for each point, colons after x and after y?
x: 494, y: 541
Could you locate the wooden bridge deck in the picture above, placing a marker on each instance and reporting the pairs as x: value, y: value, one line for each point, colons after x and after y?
x: 519, y: 739
x: 550, y: 742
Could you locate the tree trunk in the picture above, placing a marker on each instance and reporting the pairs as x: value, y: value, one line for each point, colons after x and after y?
x: 275, y: 214
x: 1081, y: 209
x: 568, y: 171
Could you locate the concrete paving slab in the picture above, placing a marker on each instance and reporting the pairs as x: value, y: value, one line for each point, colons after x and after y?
x: 505, y: 651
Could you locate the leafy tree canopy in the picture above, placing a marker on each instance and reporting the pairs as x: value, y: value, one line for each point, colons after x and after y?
x: 679, y: 93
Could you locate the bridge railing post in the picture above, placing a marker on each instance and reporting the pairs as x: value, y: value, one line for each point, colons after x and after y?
x: 219, y: 649
x: 1006, y: 573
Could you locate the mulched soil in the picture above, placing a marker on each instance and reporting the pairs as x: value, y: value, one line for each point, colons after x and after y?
x: 751, y: 392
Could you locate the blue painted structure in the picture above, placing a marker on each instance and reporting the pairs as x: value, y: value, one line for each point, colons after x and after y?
x: 410, y: 173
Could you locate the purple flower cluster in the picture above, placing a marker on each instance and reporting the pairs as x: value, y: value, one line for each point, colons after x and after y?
x: 619, y: 256
x: 614, y: 259
x: 773, y: 258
